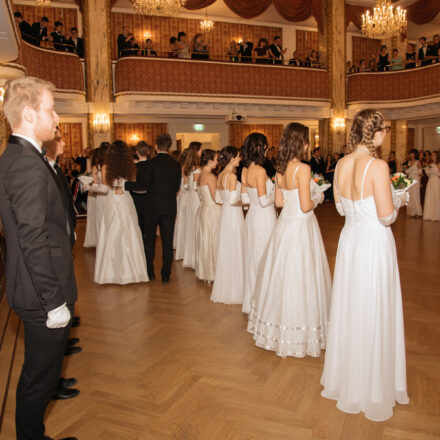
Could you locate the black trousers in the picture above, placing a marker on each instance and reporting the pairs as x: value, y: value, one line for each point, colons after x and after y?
x: 43, y: 357
x: 166, y: 225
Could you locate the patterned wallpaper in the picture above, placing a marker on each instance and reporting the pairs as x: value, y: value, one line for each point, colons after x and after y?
x: 306, y: 41
x: 72, y: 136
x: 364, y: 48
x: 133, y: 133
x: 192, y: 77
x: 162, y: 28
x: 238, y: 133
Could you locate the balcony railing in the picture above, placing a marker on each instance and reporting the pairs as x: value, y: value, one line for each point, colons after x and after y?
x: 403, y: 85
x: 63, y: 69
x: 213, y: 78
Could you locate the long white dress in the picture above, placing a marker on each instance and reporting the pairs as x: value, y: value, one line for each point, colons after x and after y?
x: 290, y: 307
x: 207, y: 227
x: 192, y: 206
x: 414, y: 206
x: 90, y: 238
x: 258, y: 228
x: 431, y: 208
x: 120, y: 256
x: 179, y: 230
x: 229, y: 271
x: 365, y: 367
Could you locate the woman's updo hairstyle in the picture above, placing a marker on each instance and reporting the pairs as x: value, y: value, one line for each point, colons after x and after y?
x: 226, y: 155
x: 365, y: 124
x: 293, y: 142
x: 254, y: 149
x: 207, y: 155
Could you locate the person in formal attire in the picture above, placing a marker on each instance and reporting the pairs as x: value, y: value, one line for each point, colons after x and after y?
x: 25, y: 28
x: 172, y: 52
x: 229, y: 270
x: 435, y: 48
x: 317, y: 163
x: 149, y: 50
x: 183, y: 48
x: 291, y: 303
x: 233, y: 52
x: 262, y: 52
x: 260, y: 219
x: 410, y: 56
x: 392, y: 162
x: 39, y: 30
x: 59, y: 40
x: 276, y: 51
x: 424, y: 56
x: 414, y: 170
x: 382, y: 59
x: 76, y: 43
x: 91, y: 226
x: 200, y: 49
x: 313, y: 60
x: 295, y: 60
x: 182, y: 202
x: 396, y: 62
x: 245, y: 51
x: 122, y: 41
x: 131, y: 47
x: 365, y: 368
x: 431, y: 208
x: 41, y: 285
x: 161, y: 180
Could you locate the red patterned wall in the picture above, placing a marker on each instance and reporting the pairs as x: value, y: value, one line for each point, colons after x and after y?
x: 238, y: 133
x: 394, y: 86
x: 192, y: 77
x: 306, y: 41
x: 72, y: 136
x: 365, y: 48
x: 63, y: 69
x: 162, y: 28
x: 143, y: 132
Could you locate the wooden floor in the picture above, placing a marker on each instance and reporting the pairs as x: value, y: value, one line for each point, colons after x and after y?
x: 163, y: 362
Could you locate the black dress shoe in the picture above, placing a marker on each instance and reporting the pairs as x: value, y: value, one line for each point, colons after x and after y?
x: 151, y: 277
x: 72, y: 341
x: 72, y: 350
x: 76, y: 318
x: 165, y: 280
x: 67, y: 382
x: 65, y: 393
x: 75, y: 323
x: 65, y: 438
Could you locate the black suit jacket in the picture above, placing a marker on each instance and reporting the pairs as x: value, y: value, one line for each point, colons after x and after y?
x: 26, y: 32
x: 139, y: 199
x: 38, y: 33
x: 122, y: 44
x: 60, y: 42
x: 421, y: 56
x: 79, y: 48
x: 39, y: 264
x: 161, y: 178
x: 318, y: 167
x: 246, y: 52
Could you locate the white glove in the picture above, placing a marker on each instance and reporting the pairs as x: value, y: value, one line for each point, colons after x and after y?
x: 398, y: 201
x: 266, y: 200
x: 218, y: 198
x: 317, y: 197
x: 59, y: 317
x: 245, y: 199
x: 99, y: 188
x: 233, y: 198
x: 340, y: 209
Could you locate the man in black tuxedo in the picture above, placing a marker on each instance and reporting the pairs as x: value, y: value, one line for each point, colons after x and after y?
x: 59, y: 40
x: 39, y: 30
x: 434, y: 48
x: 245, y: 50
x: 276, y: 51
x: 317, y: 162
x: 424, y: 53
x: 41, y: 285
x: 25, y: 28
x: 123, y: 41
x: 161, y: 180
x: 76, y: 43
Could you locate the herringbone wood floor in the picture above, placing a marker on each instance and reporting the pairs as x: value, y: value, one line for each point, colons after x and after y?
x: 163, y: 362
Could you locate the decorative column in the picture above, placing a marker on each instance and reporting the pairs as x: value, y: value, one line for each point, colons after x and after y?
x: 399, y: 134
x: 99, y: 70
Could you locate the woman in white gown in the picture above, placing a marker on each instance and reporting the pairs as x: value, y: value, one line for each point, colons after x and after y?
x: 431, y: 209
x: 291, y: 304
x: 414, y: 170
x: 182, y: 201
x: 192, y: 171
x: 229, y: 271
x: 365, y: 367
x: 208, y: 218
x: 120, y: 256
x: 261, y: 218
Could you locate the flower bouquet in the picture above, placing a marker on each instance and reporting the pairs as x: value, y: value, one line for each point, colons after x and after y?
x: 320, y: 183
x: 86, y: 179
x: 401, y: 182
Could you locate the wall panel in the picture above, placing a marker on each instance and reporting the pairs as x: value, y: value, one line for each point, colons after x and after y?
x: 238, y: 133
x: 364, y: 48
x: 133, y: 133
x: 72, y: 136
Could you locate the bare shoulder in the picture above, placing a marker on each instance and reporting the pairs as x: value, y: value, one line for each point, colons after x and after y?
x: 304, y: 169
x: 232, y: 178
x: 379, y: 166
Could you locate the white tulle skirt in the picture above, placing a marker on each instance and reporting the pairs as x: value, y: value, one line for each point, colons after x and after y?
x: 431, y: 209
x: 91, y: 226
x: 189, y: 252
x: 179, y: 230
x: 365, y: 368
x: 414, y: 206
x: 120, y: 256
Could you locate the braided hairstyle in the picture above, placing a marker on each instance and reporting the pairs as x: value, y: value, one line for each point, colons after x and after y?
x: 365, y: 124
x: 226, y: 155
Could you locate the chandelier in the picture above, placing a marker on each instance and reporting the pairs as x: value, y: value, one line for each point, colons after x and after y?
x: 206, y: 25
x: 158, y: 7
x: 385, y: 22
x: 42, y: 3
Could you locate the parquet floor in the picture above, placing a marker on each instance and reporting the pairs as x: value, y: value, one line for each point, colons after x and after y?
x: 164, y: 363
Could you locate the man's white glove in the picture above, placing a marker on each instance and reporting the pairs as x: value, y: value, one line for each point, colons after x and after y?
x: 59, y: 317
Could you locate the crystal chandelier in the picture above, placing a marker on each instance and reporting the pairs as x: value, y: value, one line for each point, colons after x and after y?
x: 206, y: 25
x: 158, y: 7
x: 42, y: 3
x: 385, y: 22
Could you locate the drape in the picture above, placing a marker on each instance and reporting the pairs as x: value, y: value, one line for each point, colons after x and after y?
x: 423, y: 11
x: 353, y: 13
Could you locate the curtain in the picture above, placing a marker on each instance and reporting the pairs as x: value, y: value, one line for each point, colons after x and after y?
x: 198, y: 4
x: 423, y: 11
x: 248, y: 8
x: 300, y: 10
x: 353, y: 13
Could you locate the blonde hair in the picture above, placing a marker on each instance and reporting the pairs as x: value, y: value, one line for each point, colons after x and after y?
x: 23, y: 92
x: 365, y: 124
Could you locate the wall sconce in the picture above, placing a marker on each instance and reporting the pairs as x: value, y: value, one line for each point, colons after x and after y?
x: 147, y: 35
x: 339, y: 124
x: 316, y: 140
x: 134, y: 138
x: 101, y: 122
x: 240, y: 40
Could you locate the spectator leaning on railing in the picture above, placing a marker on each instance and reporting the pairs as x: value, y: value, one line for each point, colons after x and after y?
x: 59, y: 40
x: 25, y: 28
x: 76, y: 43
x: 410, y: 56
x: 396, y: 61
x: 39, y: 30
x: 149, y: 51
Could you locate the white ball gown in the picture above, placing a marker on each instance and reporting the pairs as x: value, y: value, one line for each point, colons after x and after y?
x: 431, y: 208
x: 365, y: 367
x: 229, y: 272
x: 179, y: 230
x: 207, y: 226
x: 414, y: 206
x: 258, y: 227
x: 90, y: 238
x: 120, y: 256
x: 291, y: 304
x: 192, y: 206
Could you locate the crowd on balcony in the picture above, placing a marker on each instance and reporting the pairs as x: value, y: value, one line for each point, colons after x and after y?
x: 383, y: 61
x: 198, y: 49
x: 38, y: 35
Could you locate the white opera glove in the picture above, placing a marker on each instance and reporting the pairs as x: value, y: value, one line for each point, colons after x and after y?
x: 233, y: 198
x: 99, y: 188
x: 317, y: 197
x: 266, y: 200
x: 59, y: 317
x: 186, y: 186
x: 245, y: 199
x: 398, y: 201
x: 339, y: 209
x: 218, y: 198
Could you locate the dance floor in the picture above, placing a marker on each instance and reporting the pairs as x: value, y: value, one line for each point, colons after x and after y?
x: 164, y: 363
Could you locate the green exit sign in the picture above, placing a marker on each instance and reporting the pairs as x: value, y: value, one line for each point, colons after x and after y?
x: 199, y: 127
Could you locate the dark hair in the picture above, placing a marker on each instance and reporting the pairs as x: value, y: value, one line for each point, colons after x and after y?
x: 175, y: 154
x: 102, y: 151
x: 383, y: 47
x: 192, y: 157
x: 436, y: 35
x: 45, y: 19
x: 143, y: 148
x: 395, y: 50
x: 422, y: 38
x: 163, y: 142
x: 277, y: 37
x: 17, y: 14
x: 264, y: 40
x: 173, y: 40
x: 58, y: 23
x: 365, y: 124
x: 95, y: 156
x: 415, y: 152
x: 362, y: 59
x: 206, y: 156
x: 226, y: 154
x: 180, y: 35
x: 292, y: 143
x: 74, y: 29
x: 255, y: 146
x: 119, y: 162
x: 133, y: 152
x: 316, y: 149
x: 148, y: 39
